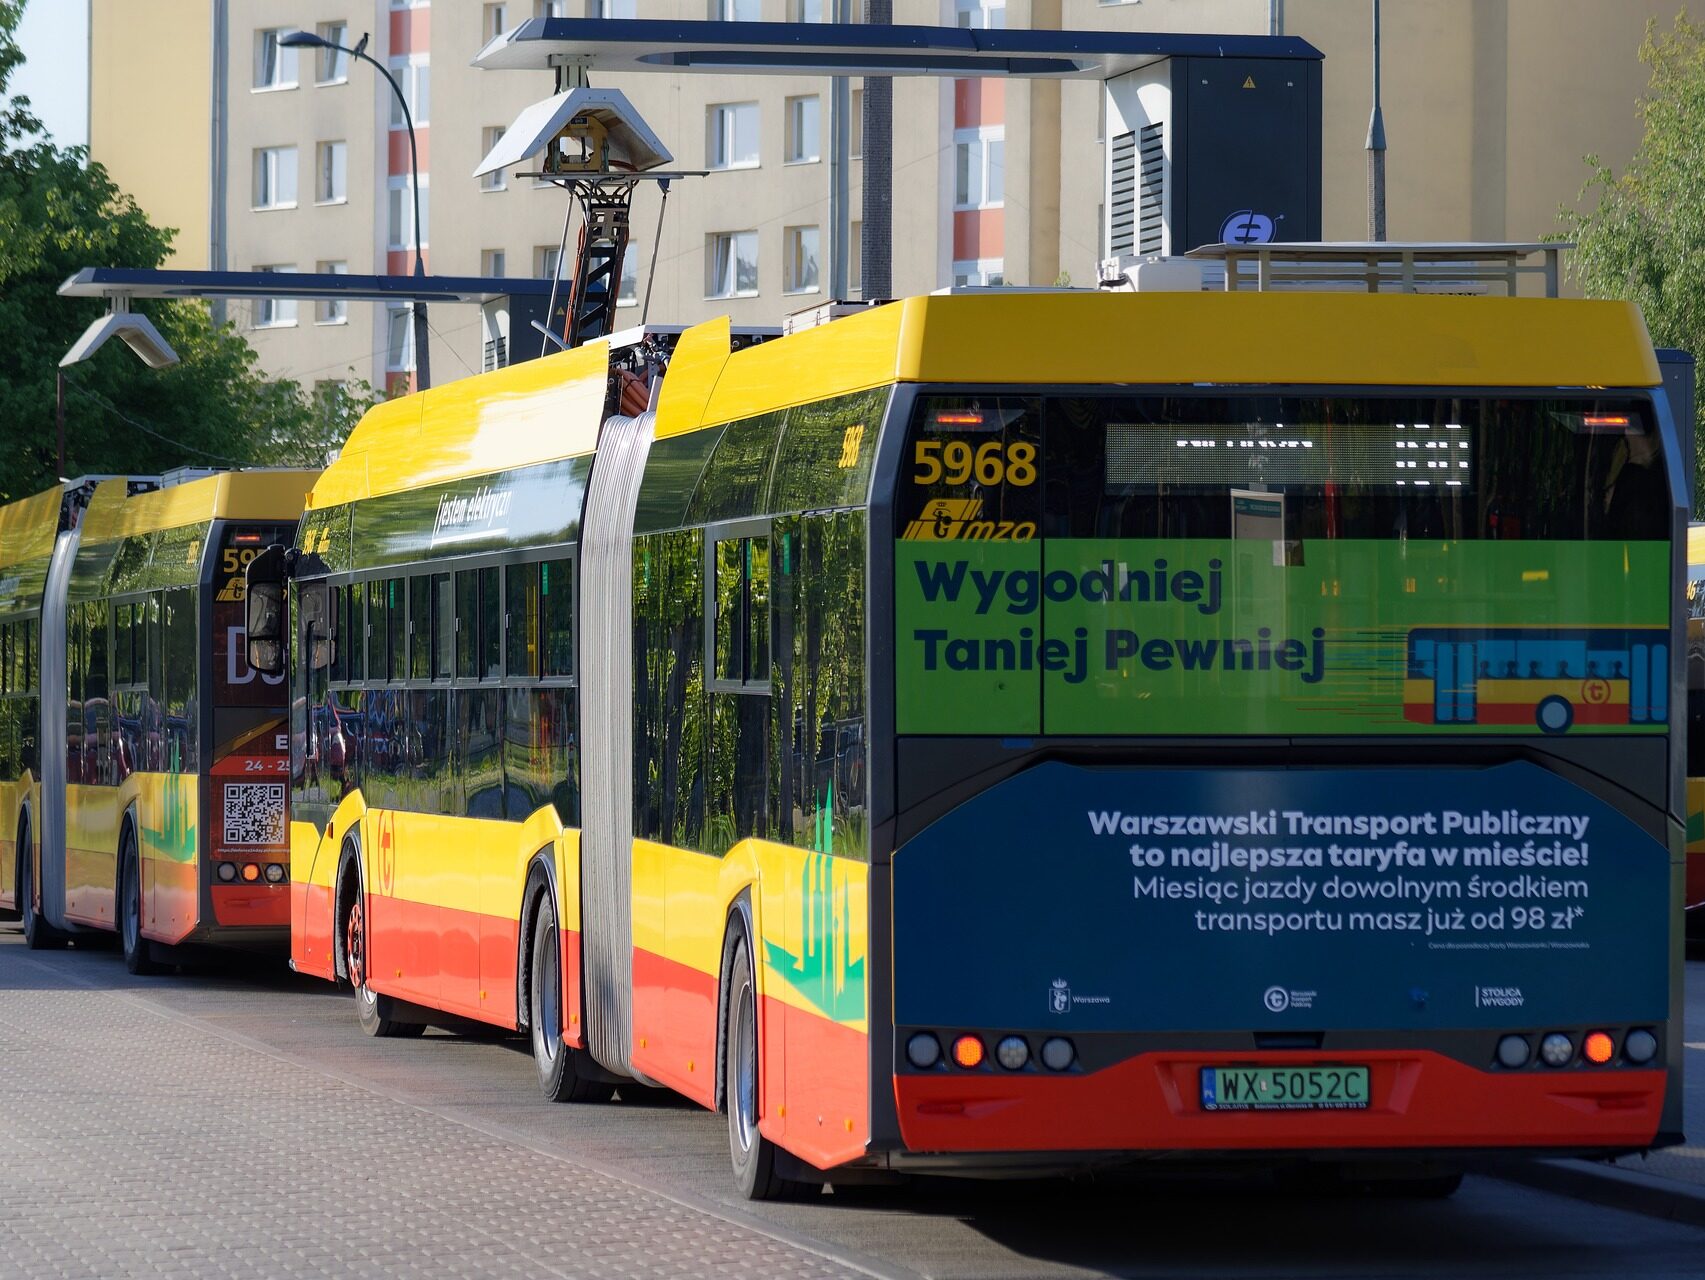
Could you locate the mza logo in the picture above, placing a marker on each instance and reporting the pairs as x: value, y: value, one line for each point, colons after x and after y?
x: 1059, y: 997
x: 1248, y: 227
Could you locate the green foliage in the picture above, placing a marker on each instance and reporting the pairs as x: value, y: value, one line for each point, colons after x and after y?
x: 59, y: 213
x: 1645, y: 239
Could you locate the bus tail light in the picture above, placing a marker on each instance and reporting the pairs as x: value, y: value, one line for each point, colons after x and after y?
x: 251, y: 872
x: 968, y: 1052
x: 1598, y: 1048
x: 1640, y: 1047
x: 1012, y: 1053
x: 1513, y: 1051
x: 274, y: 873
x: 227, y: 872
x: 1057, y: 1053
x: 923, y: 1051
x: 1556, y: 1050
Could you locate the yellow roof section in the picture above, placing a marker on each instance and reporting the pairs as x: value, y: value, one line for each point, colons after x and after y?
x: 232, y: 495
x: 1696, y: 544
x: 532, y: 412
x: 1125, y: 338
x: 29, y: 526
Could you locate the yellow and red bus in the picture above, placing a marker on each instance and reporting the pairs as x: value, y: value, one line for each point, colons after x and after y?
x: 143, y: 771
x: 975, y: 734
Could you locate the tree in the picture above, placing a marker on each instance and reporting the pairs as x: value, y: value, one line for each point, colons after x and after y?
x: 1645, y: 238
x: 60, y: 212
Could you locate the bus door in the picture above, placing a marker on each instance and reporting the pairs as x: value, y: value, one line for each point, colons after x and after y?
x: 1453, y: 690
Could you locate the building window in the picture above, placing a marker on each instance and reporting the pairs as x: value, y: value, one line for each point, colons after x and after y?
x: 731, y: 269
x: 618, y: 9
x: 855, y: 260
x: 401, y: 219
x: 496, y: 180
x: 414, y: 77
x: 332, y: 64
x: 803, y: 130
x: 627, y: 292
x: 799, y: 273
x: 551, y: 9
x: 855, y: 126
x: 275, y: 65
x: 496, y: 21
x: 546, y: 258
x: 275, y: 178
x: 399, y: 339
x: 981, y: 14
x: 332, y: 310
x: 493, y: 264
x: 736, y: 10
x: 805, y: 11
x: 980, y: 162
x: 334, y: 173
x: 731, y: 140
x: 986, y: 272
x: 275, y: 313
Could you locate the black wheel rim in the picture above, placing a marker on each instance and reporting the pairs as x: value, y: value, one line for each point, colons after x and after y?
x: 355, y: 951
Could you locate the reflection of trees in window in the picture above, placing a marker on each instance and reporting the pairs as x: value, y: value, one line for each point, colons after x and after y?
x: 178, y: 653
x: 669, y: 729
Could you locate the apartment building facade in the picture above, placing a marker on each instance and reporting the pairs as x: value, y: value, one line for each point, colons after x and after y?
x: 290, y: 160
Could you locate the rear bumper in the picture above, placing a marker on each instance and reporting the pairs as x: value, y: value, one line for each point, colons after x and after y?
x: 1152, y: 1104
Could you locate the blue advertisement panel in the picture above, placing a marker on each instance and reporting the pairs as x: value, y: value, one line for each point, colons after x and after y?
x: 1270, y: 899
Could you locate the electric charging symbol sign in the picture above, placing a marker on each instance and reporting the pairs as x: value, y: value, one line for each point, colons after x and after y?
x: 1248, y: 227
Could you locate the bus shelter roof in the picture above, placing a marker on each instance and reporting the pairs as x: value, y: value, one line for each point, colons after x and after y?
x: 129, y: 282
x: 811, y: 48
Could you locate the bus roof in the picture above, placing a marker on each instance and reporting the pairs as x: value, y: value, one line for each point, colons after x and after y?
x: 235, y: 495
x: 552, y: 408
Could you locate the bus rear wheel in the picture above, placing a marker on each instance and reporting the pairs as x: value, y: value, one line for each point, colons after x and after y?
x: 372, y: 1010
x: 39, y: 935
x: 754, y: 1156
x: 138, y: 954
x: 562, y: 1068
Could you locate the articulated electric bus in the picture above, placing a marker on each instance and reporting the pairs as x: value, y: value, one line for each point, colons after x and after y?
x: 985, y: 733
x: 142, y: 761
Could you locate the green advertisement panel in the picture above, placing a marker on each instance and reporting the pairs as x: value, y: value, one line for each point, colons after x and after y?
x: 1083, y: 636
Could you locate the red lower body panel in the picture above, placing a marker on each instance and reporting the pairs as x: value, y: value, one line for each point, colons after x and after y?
x: 1153, y: 1103
x: 311, y: 930
x: 674, y: 1025
x: 252, y: 905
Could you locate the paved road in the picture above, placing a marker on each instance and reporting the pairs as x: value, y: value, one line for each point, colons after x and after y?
x: 228, y: 1123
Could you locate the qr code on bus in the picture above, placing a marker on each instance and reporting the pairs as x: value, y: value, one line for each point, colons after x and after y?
x: 254, y: 813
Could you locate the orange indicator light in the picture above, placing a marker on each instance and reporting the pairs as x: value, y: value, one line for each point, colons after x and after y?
x: 251, y: 873
x: 959, y: 419
x: 1607, y: 420
x: 1599, y: 1048
x: 968, y: 1052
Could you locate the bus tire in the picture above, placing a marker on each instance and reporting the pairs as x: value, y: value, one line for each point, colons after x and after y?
x: 753, y: 1155
x: 138, y: 954
x: 39, y: 935
x: 373, y: 1011
x: 561, y: 1068
x: 1554, y: 714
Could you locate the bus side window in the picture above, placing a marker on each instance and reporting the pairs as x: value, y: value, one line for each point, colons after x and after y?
x: 741, y: 613
x: 1695, y: 701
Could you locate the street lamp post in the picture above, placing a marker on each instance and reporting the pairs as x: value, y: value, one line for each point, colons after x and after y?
x: 1376, y: 147
x: 309, y: 40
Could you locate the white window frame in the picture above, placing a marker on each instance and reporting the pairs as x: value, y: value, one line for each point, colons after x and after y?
x: 983, y: 139
x: 497, y: 179
x: 494, y: 264
x: 979, y: 273
x: 793, y: 243
x: 284, y: 61
x: 550, y: 9
x: 338, y: 153
x: 812, y: 150
x: 800, y: 10
x: 398, y: 216
x: 278, y: 164
x: 547, y: 261
x: 730, y: 10
x: 276, y: 313
x: 413, y: 73
x: 627, y: 288
x: 332, y: 310
x: 618, y: 8
x: 855, y: 124
x: 399, y: 357
x: 721, y: 132
x: 495, y: 20
x: 980, y: 15
x: 331, y: 66
x: 730, y: 286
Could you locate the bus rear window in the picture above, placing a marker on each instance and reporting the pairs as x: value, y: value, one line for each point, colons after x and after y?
x: 1198, y: 465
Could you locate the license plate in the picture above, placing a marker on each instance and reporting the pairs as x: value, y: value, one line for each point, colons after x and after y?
x: 1284, y: 1088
